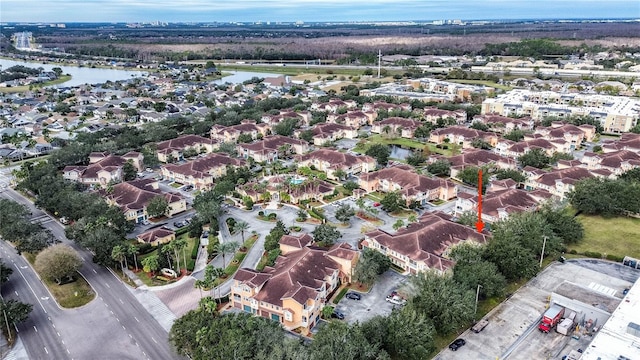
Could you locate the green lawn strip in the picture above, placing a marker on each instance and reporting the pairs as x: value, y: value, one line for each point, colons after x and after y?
x: 175, y: 185
x: 60, y: 80
x: 72, y: 295
x: 234, y: 264
x: 340, y: 295
x: 618, y: 236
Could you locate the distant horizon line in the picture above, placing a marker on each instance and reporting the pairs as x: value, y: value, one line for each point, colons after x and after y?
x: 264, y: 22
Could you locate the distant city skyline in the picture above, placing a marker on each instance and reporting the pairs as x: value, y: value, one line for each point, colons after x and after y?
x: 309, y: 10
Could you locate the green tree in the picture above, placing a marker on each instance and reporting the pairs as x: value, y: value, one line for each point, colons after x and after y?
x: 380, y: 152
x: 131, y: 249
x: 442, y: 299
x: 150, y: 264
x: 302, y: 215
x: 326, y: 235
x: 248, y: 202
x: 16, y: 312
x: 286, y: 127
x: 470, y: 176
x: 515, y: 175
x: 33, y: 239
x: 515, y: 135
x: 398, y: 224
x: 307, y: 136
x: 350, y: 185
x: 129, y: 171
x: 158, y: 206
x: 536, y: 158
x: 344, y: 213
x: 340, y: 341
x: 5, y: 272
x: 118, y: 254
x: 58, y: 262
x: 241, y: 226
x: 392, y: 201
x: 370, y: 266
x: 410, y: 334
x: 416, y: 158
x: 340, y: 174
x: 472, y: 270
x: 245, y: 138
x: 440, y: 168
x: 225, y: 249
x: 327, y: 311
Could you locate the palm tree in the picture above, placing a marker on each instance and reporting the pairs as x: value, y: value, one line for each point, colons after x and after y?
x: 118, y: 254
x: 327, y: 311
x: 133, y: 250
x: 200, y: 284
x: 242, y: 226
x: 166, y: 250
x: 181, y: 244
x: 226, y: 248
x: 386, y: 130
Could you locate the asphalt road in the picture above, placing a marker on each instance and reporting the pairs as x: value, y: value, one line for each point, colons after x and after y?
x: 113, y: 326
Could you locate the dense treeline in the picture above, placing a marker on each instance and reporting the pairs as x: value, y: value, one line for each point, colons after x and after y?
x: 608, y: 197
x: 17, y: 72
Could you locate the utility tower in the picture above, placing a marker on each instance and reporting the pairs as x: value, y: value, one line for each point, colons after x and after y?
x: 379, y: 62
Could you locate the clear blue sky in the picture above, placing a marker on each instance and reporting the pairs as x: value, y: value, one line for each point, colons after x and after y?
x: 309, y: 10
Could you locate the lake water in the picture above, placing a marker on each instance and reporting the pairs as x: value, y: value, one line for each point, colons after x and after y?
x: 79, y: 75
x: 399, y: 153
x: 88, y: 75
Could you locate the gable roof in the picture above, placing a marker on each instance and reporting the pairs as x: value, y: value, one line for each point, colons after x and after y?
x: 136, y: 194
x: 428, y: 239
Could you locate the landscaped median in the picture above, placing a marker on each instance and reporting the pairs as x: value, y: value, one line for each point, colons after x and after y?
x: 53, y: 265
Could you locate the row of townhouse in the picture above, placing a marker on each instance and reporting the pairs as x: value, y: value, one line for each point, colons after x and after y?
x: 412, y: 186
x: 424, y: 245
x: 287, y: 188
x: 201, y: 172
x: 133, y: 197
x: 326, y: 133
x: 294, y: 291
x: 103, y: 168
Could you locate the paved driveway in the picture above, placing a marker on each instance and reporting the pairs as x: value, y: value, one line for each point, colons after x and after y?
x: 373, y: 303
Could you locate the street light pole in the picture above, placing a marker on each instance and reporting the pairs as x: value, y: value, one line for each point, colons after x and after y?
x: 475, y: 310
x: 544, y: 243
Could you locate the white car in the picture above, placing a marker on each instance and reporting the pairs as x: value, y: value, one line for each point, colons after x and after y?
x: 397, y: 300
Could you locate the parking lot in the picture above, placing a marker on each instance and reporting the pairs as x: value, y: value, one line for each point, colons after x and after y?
x: 512, y: 331
x: 372, y: 303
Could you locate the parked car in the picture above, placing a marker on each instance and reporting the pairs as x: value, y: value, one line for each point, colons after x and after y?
x: 353, y: 296
x: 178, y: 224
x: 457, y: 344
x: 337, y: 315
x: 396, y: 300
x: 145, y: 222
x: 376, y: 204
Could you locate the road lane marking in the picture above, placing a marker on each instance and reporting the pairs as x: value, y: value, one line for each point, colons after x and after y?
x: 118, y: 319
x: 45, y: 350
x: 131, y: 336
x: 121, y: 302
x: 31, y: 288
x: 111, y: 312
x: 34, y: 328
x: 63, y: 342
x: 58, y: 333
x: 136, y: 319
x: 94, y: 270
x: 154, y: 340
x: 107, y: 285
x: 68, y: 351
x: 16, y: 293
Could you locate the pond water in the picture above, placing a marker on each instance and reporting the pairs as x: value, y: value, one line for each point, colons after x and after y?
x: 79, y: 75
x: 399, y: 153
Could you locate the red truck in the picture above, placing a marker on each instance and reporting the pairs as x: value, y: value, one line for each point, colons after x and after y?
x: 551, y: 318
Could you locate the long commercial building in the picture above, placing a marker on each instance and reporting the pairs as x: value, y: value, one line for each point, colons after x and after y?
x: 617, y: 114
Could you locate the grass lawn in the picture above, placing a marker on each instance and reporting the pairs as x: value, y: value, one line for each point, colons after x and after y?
x: 175, y: 185
x: 71, y: 295
x: 60, y: 80
x: 405, y: 143
x: 618, y: 236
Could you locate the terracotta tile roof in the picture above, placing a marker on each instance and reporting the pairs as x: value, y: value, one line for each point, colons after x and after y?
x: 511, y: 200
x: 567, y: 176
x: 183, y: 142
x: 479, y: 157
x: 409, y: 181
x: 336, y: 158
x: 135, y: 195
x: 202, y: 167
x: 296, y: 241
x: 155, y: 234
x: 271, y: 143
x: 427, y: 240
x: 467, y: 133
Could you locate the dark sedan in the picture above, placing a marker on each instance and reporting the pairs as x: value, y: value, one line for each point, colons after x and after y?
x: 353, y: 296
x: 457, y: 344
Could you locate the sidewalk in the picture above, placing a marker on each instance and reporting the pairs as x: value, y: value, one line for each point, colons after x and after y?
x: 18, y: 352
